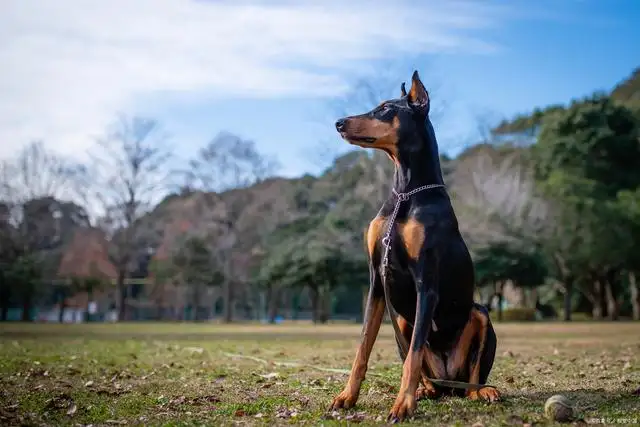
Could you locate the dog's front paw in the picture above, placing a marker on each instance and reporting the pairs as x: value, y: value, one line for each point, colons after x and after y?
x: 490, y: 394
x: 346, y: 399
x: 405, y: 406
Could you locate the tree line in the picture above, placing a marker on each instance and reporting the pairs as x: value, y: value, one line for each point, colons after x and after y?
x: 549, y: 203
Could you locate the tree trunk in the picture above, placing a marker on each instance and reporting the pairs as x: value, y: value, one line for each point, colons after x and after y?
x: 499, y: 294
x: 568, y: 293
x: 532, y: 298
x: 273, y: 304
x: 121, y: 297
x: 196, y: 303
x: 228, y: 301
x: 63, y: 306
x: 612, y: 302
x: 596, y: 311
x: 365, y: 297
x: 4, y: 301
x: 635, y: 296
x: 26, y: 307
x: 325, y: 302
x: 314, y: 304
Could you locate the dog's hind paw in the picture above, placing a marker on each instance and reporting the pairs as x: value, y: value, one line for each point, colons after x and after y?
x: 490, y: 394
x: 428, y: 392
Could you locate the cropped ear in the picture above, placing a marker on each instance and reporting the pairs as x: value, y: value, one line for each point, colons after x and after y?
x: 403, y: 91
x: 418, y: 97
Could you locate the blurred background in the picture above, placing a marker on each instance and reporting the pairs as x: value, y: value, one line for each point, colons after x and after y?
x: 177, y: 161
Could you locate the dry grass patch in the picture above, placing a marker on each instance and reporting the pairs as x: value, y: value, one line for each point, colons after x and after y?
x: 173, y: 374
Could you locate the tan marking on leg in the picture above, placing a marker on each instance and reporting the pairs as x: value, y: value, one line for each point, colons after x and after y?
x: 475, y: 329
x: 460, y: 353
x: 406, y: 403
x: 348, y: 397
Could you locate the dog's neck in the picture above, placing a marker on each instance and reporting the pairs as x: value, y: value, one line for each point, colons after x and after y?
x: 421, y: 167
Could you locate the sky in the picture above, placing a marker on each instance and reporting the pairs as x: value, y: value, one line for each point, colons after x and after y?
x: 271, y: 71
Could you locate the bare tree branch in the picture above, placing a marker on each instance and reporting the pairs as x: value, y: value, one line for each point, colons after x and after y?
x: 226, y: 163
x: 497, y: 198
x: 130, y: 176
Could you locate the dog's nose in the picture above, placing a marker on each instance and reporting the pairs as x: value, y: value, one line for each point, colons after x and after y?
x: 340, y: 125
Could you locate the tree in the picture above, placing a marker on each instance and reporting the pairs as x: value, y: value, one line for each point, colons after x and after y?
x: 37, y: 193
x: 500, y: 262
x: 226, y: 164
x: 192, y: 264
x: 130, y: 174
x: 586, y: 155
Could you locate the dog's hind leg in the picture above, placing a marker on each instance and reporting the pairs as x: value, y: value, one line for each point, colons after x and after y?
x: 373, y: 318
x: 472, y: 357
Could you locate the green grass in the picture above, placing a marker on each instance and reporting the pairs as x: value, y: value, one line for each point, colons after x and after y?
x: 188, y: 374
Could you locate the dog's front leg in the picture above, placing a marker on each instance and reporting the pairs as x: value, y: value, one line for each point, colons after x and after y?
x: 372, y: 319
x: 424, y: 273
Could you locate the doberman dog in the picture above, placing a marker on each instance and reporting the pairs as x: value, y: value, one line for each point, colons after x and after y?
x: 420, y: 267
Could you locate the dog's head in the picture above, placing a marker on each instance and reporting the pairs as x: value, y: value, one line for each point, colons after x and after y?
x: 394, y: 125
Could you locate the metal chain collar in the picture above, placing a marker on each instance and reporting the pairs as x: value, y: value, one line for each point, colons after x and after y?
x: 386, y: 240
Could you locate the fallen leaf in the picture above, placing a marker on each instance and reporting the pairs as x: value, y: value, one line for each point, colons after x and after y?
x: 270, y: 376
x: 178, y: 401
x: 88, y: 383
x: 72, y: 410
x: 240, y: 413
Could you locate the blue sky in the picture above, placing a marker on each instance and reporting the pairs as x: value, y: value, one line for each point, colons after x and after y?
x: 268, y: 71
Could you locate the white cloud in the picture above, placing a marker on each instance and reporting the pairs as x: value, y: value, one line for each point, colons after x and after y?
x: 69, y: 65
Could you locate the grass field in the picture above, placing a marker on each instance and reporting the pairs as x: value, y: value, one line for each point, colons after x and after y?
x: 175, y: 374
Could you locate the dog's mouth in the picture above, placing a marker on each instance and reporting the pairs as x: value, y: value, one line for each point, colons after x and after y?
x: 351, y: 138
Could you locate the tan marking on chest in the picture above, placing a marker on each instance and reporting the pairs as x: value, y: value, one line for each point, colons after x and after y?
x: 413, y: 235
x: 374, y: 233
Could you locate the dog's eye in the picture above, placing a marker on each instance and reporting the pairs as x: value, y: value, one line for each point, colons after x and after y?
x: 386, y: 108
